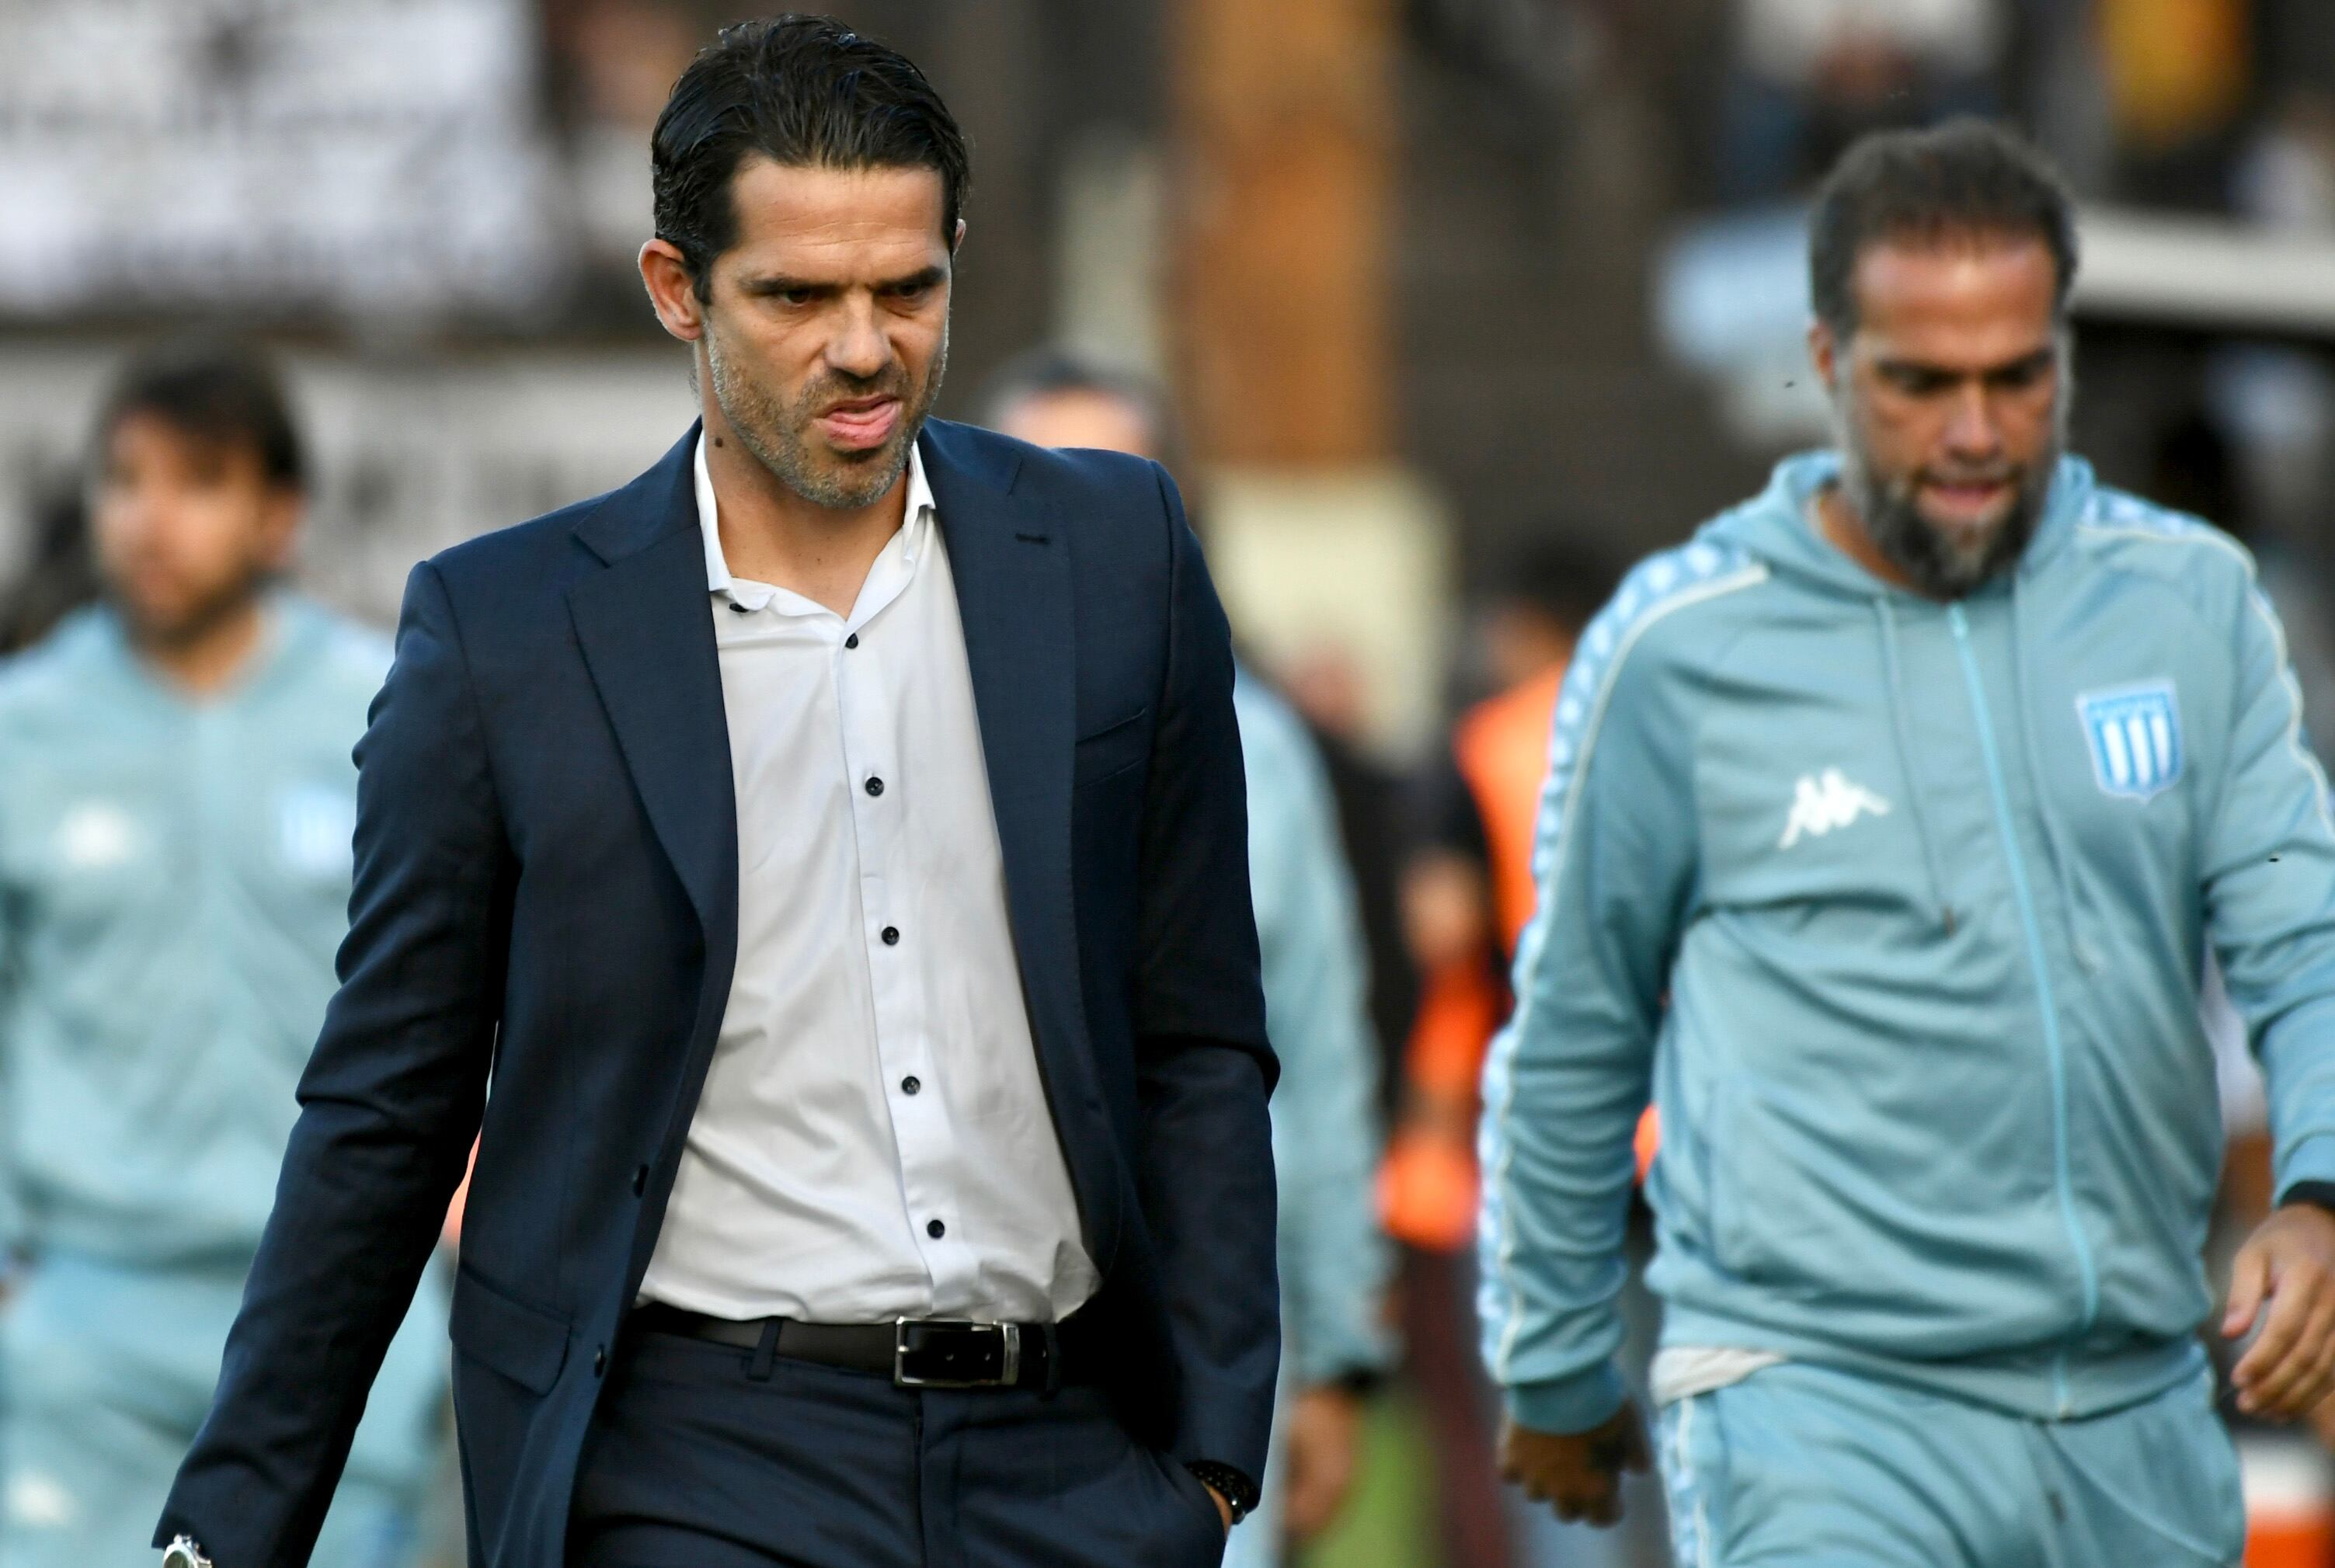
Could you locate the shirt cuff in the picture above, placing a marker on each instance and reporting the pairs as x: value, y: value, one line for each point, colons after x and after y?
x: 1358, y: 1382
x: 2311, y: 1161
x: 1563, y: 1406
x: 1357, y: 1355
x: 2318, y: 1195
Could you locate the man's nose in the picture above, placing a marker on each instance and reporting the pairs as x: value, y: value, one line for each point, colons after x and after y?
x: 1971, y: 428
x: 137, y: 516
x: 859, y: 348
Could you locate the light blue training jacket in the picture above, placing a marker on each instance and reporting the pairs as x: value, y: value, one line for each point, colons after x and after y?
x: 1898, y: 911
x: 1336, y: 1261
x: 174, y: 882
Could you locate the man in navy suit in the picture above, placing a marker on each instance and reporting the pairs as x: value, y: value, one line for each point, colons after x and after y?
x: 830, y: 851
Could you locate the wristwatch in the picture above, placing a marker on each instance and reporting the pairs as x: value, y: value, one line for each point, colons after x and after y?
x: 1239, y: 1493
x: 183, y: 1553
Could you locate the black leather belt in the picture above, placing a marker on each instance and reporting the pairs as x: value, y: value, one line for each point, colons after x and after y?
x: 913, y: 1352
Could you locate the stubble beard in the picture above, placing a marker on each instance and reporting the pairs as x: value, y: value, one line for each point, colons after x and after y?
x: 784, y: 439
x: 1935, y: 563
x: 197, y: 618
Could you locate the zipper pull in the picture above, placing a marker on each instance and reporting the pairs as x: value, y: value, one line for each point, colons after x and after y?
x: 1951, y: 922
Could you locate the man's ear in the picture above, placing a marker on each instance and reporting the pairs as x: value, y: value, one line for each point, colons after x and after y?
x: 956, y: 240
x: 280, y: 526
x: 671, y: 290
x: 1824, y: 353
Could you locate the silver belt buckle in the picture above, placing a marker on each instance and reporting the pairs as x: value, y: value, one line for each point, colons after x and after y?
x: 1009, y: 1336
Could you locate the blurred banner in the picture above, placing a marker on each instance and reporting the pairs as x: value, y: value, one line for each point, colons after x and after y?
x: 349, y: 158
x: 410, y: 455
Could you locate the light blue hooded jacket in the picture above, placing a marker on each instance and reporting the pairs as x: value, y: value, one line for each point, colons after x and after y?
x: 174, y: 881
x: 1335, y: 1263
x: 1898, y: 910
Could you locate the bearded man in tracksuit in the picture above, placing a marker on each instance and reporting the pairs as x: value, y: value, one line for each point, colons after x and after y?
x: 1888, y: 826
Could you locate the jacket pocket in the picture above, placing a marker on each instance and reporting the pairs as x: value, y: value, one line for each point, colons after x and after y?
x: 1114, y: 749
x: 1198, y: 1507
x: 524, y: 1343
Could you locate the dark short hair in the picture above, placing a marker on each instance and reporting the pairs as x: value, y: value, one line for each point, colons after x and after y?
x: 221, y: 395
x: 802, y: 90
x: 1051, y: 372
x: 1959, y: 180
x: 1555, y: 572
x: 1055, y: 372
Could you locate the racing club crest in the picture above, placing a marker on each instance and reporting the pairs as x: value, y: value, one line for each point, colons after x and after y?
x: 2135, y: 737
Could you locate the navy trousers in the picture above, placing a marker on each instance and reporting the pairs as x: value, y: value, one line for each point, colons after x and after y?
x: 693, y: 1462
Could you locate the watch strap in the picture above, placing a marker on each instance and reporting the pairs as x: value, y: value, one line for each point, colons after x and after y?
x: 1240, y: 1494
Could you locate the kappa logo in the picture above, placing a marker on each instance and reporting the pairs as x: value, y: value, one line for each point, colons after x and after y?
x: 314, y: 825
x: 96, y: 836
x: 38, y: 1501
x: 1822, y: 802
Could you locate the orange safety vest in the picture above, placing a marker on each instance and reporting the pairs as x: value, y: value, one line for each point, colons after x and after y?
x: 1502, y: 748
x: 1427, y: 1194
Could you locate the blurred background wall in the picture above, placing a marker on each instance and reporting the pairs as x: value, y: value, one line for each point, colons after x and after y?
x: 1429, y: 277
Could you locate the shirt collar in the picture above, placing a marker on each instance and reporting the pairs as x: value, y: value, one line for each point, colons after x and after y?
x: 916, y: 526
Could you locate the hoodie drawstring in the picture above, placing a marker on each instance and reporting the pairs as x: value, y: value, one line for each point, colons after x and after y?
x: 1888, y: 619
x: 2062, y: 864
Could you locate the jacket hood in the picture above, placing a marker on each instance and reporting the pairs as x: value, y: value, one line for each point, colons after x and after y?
x: 1774, y: 526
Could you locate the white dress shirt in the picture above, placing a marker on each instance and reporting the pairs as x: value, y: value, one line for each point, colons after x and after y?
x: 873, y: 1139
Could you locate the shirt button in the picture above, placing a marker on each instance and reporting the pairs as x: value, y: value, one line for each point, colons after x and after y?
x: 935, y: 1230
x: 738, y: 609
x: 852, y: 641
x: 911, y: 1084
x: 875, y: 785
x: 600, y: 1360
x: 640, y: 1179
x: 891, y: 936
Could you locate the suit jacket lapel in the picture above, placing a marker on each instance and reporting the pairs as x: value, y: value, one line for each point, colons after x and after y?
x: 1012, y: 568
x: 1014, y: 596
x: 647, y: 637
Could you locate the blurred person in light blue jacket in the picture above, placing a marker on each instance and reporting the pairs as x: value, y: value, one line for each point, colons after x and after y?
x: 176, y: 804
x: 1335, y: 1263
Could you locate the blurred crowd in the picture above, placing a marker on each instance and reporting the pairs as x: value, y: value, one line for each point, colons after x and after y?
x: 174, y: 879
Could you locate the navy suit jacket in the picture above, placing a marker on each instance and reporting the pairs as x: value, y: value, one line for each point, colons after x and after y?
x: 545, y: 905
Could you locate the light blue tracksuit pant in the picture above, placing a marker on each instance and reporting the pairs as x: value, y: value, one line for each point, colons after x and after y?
x: 1815, y: 1467
x: 105, y: 1374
